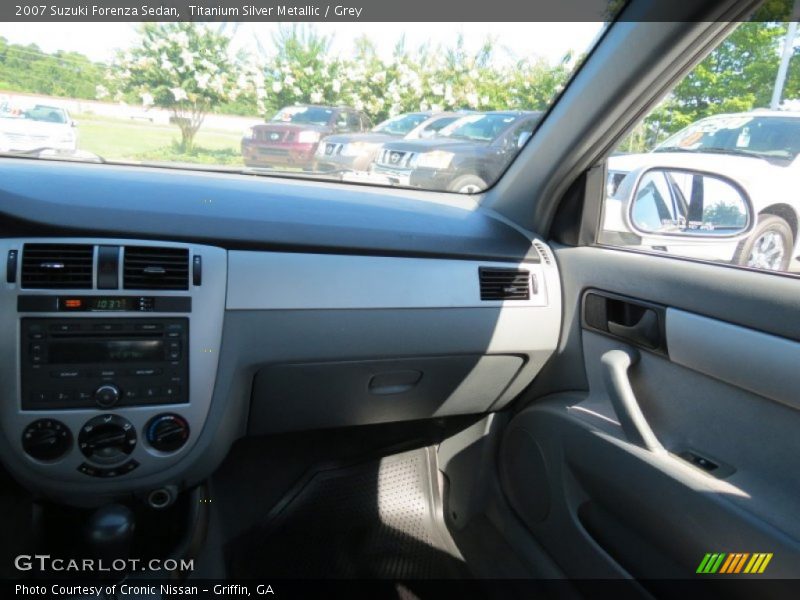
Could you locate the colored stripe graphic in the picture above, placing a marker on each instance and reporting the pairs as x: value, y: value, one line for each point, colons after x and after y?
x: 734, y: 563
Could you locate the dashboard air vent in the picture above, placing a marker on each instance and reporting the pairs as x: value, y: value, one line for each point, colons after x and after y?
x: 57, y: 266
x: 155, y: 268
x: 504, y: 284
x: 545, y: 253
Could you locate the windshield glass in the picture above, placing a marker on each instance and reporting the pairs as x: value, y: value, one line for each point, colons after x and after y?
x: 400, y: 125
x: 769, y: 137
x: 288, y: 99
x: 482, y: 128
x: 49, y: 114
x: 310, y: 115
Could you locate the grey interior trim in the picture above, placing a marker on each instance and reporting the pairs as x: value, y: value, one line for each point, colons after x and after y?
x: 55, y: 198
x: 764, y: 364
x: 274, y: 280
x: 635, y: 65
x: 618, y: 386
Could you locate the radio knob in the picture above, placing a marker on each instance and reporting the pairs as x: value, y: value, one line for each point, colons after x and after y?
x: 106, y: 395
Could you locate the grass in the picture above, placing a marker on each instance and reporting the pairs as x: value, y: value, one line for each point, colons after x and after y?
x: 122, y: 140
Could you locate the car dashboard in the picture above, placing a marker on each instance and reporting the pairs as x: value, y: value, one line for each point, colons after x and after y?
x: 132, y: 358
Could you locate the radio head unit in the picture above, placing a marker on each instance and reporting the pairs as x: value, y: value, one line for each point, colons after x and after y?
x: 104, y: 363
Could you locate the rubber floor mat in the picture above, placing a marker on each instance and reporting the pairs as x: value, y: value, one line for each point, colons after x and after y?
x: 378, y: 519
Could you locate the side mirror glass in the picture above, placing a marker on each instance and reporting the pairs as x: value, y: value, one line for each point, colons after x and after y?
x: 522, y: 138
x: 683, y: 203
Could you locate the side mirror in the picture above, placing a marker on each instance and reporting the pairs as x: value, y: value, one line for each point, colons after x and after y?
x: 522, y: 138
x: 668, y: 203
x: 73, y: 123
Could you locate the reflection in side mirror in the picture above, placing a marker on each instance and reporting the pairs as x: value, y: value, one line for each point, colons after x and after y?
x: 523, y: 137
x: 685, y: 203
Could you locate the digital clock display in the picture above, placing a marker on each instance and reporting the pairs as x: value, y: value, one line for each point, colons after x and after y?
x: 98, y: 303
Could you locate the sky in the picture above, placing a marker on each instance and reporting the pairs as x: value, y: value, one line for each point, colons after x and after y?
x: 99, y: 41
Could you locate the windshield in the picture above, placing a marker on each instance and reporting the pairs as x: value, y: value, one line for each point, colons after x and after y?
x: 479, y: 128
x: 262, y: 97
x: 764, y: 136
x: 400, y: 125
x: 309, y: 115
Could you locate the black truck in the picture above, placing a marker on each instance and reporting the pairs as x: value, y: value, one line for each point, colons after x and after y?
x: 467, y: 156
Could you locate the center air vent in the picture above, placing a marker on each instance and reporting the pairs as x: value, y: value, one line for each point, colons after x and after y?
x: 152, y: 268
x: 57, y: 266
x: 504, y: 284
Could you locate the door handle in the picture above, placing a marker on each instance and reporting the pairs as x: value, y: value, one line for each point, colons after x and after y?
x: 645, y: 332
x: 615, y: 364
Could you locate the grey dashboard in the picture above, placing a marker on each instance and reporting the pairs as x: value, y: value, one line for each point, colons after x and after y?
x: 319, y: 305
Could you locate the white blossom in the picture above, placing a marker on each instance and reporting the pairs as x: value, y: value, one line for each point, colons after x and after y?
x: 277, y: 87
x: 179, y: 94
x: 147, y: 99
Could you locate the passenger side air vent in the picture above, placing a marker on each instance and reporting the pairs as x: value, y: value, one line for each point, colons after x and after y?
x: 57, y: 266
x: 152, y: 268
x: 504, y: 284
x: 543, y: 251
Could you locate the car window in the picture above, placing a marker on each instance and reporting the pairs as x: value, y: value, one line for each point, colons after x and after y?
x: 709, y: 174
x: 353, y: 122
x: 400, y: 125
x: 259, y: 97
x: 439, y: 124
x: 308, y: 115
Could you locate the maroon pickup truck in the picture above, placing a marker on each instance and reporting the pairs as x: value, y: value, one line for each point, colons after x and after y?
x: 291, y: 137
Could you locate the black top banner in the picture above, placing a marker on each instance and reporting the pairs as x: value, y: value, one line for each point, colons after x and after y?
x: 355, y: 10
x: 307, y: 11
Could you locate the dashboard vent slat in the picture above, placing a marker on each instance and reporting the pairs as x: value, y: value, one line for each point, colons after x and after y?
x: 156, y: 268
x: 57, y: 266
x: 543, y: 251
x: 504, y: 284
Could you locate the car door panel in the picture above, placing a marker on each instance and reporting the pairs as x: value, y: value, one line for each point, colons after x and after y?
x: 723, y: 476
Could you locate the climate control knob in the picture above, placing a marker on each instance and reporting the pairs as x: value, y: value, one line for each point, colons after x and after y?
x: 167, y: 432
x: 107, y: 395
x: 107, y: 439
x: 46, y: 439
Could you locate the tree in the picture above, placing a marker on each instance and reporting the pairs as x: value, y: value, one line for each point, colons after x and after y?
x: 183, y: 67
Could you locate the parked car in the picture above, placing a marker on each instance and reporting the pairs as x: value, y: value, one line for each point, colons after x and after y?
x: 38, y: 127
x: 758, y: 149
x: 464, y: 157
x: 291, y: 137
x: 356, y: 152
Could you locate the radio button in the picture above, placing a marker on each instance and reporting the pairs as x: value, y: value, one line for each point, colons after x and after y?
x: 39, y: 396
x: 107, y: 327
x: 150, y: 327
x: 64, y: 327
x: 131, y: 394
x: 37, y: 335
x: 84, y: 395
x: 145, y: 372
x: 66, y: 374
x: 173, y: 334
x: 107, y: 395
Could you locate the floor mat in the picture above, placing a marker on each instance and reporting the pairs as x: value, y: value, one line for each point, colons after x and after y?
x: 377, y: 519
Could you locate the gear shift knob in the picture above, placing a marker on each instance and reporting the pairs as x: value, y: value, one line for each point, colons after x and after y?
x: 109, y: 532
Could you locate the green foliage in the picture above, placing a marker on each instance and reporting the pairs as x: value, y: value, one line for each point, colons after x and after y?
x: 737, y: 76
x: 28, y: 69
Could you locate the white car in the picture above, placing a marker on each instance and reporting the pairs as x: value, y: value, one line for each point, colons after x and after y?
x: 757, y: 149
x: 38, y: 127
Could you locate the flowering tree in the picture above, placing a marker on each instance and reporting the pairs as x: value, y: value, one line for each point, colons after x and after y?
x: 183, y: 67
